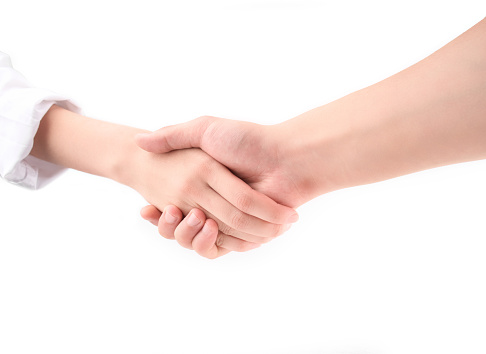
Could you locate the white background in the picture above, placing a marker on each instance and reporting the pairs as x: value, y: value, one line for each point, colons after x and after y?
x: 395, y: 267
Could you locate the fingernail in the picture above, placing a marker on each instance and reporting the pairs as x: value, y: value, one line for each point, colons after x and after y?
x: 192, y: 220
x: 169, y: 218
x: 293, y: 218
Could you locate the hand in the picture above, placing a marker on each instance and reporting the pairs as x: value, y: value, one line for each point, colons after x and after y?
x: 202, y: 237
x: 253, y: 152
x: 189, y: 179
x: 204, y: 183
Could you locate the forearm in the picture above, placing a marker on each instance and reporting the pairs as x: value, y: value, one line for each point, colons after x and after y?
x: 92, y: 146
x: 429, y: 115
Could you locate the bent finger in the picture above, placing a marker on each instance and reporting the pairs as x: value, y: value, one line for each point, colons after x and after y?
x: 168, y: 221
x: 189, y: 228
x: 204, y: 243
x: 252, y: 202
x: 234, y: 222
x: 212, y: 243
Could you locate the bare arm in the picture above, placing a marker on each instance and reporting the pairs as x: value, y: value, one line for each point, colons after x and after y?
x: 88, y: 145
x: 429, y: 115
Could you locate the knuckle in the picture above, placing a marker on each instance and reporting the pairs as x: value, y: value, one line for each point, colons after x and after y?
x: 205, y: 167
x: 220, y: 240
x: 186, y: 187
x: 183, y: 240
x: 190, y: 188
x: 202, y: 119
x: 239, y: 221
x: 165, y: 233
x: 244, y: 202
x: 204, y: 124
x: 225, y: 229
x: 275, y: 215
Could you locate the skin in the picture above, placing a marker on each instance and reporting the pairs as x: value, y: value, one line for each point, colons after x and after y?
x: 241, y: 218
x: 431, y: 114
x: 201, y: 237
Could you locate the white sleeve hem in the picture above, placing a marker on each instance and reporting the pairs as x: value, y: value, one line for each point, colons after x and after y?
x: 29, y: 171
x: 21, y: 109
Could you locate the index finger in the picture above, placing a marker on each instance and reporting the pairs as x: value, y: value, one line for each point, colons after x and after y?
x: 252, y: 202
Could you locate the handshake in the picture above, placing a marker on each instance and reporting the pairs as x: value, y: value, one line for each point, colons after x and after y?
x: 214, y: 185
x: 236, y: 194
x: 231, y: 186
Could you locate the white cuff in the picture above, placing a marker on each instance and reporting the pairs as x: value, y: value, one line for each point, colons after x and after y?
x: 21, y: 110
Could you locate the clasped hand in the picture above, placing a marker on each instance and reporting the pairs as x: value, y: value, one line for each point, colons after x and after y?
x: 235, y: 211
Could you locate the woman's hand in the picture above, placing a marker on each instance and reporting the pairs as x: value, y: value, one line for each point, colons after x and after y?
x: 191, y: 179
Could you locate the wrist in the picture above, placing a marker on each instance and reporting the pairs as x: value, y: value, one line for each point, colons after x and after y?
x: 311, y: 157
x: 327, y: 147
x: 85, y: 144
x: 126, y: 166
x: 355, y: 141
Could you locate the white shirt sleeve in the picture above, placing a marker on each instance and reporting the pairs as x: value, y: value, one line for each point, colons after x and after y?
x: 21, y: 110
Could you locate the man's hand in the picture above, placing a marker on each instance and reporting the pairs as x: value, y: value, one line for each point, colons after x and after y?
x: 255, y: 153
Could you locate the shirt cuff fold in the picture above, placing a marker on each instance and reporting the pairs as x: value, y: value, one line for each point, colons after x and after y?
x: 22, y: 107
x: 17, y: 166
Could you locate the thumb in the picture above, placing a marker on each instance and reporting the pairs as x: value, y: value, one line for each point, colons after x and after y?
x: 175, y: 137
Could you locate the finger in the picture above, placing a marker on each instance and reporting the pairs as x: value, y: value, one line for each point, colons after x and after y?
x: 180, y: 136
x: 233, y: 221
x: 189, y: 228
x: 204, y: 242
x: 234, y: 244
x: 171, y: 217
x: 151, y: 213
x: 251, y: 202
x: 211, y: 243
x: 229, y: 231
